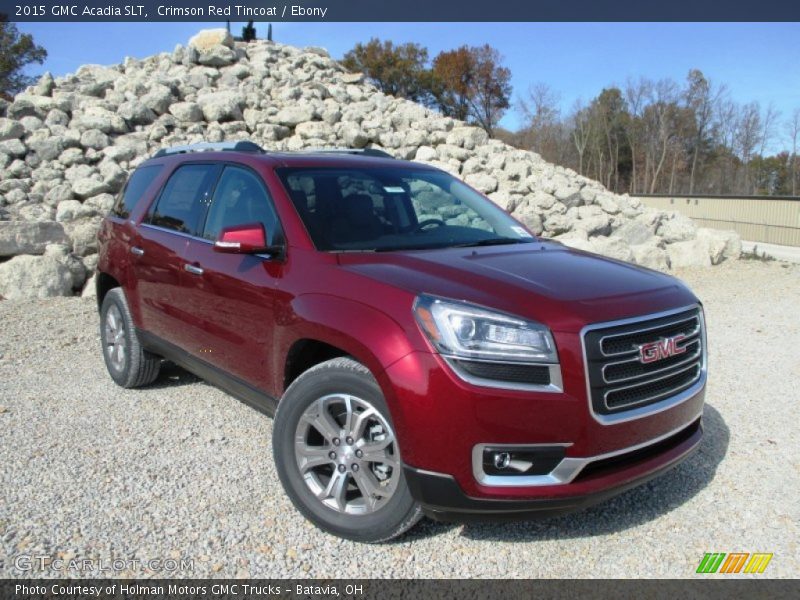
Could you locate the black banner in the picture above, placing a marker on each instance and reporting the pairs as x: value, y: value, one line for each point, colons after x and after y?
x: 405, y: 11
x: 372, y: 589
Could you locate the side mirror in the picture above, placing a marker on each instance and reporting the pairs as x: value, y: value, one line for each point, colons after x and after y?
x: 243, y: 239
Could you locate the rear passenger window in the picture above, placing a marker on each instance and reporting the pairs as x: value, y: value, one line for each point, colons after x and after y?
x: 134, y: 189
x: 182, y: 201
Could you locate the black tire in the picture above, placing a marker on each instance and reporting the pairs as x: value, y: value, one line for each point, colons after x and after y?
x: 133, y: 366
x: 398, y: 513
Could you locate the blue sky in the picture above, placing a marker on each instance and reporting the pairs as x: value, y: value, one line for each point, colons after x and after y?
x: 757, y: 61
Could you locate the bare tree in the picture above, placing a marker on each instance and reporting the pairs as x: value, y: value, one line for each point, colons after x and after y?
x: 636, y: 93
x: 768, y: 120
x: 659, y: 117
x: 581, y: 130
x: 748, y: 135
x: 539, y: 109
x: 726, y: 129
x: 702, y: 98
x: 793, y: 127
x: 609, y: 114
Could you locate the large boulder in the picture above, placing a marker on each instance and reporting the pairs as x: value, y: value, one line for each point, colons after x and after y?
x: 77, y: 270
x: 634, y: 233
x: 10, y: 129
x: 136, y: 113
x: 221, y: 106
x: 207, y: 39
x: 482, y: 182
x: 592, y: 220
x: 612, y: 247
x: 187, y: 111
x: 97, y: 117
x: 87, y: 187
x: 568, y: 195
x: 27, y: 277
x: 72, y: 210
x: 650, y: 255
x: 218, y: 56
x: 293, y: 115
x: 23, y: 237
x: 722, y: 244
x: 213, y: 47
x: 578, y: 240
x: 689, y: 253
x: 467, y: 137
x: 531, y: 218
x: 83, y: 235
x: 677, y: 228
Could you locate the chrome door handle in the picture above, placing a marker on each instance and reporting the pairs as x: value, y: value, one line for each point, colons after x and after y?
x: 137, y: 251
x: 193, y: 269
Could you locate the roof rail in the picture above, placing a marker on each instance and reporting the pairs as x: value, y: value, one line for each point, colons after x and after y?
x: 211, y: 147
x: 374, y: 152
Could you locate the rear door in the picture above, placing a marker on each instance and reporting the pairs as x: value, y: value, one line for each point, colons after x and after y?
x: 231, y: 296
x: 118, y: 234
x: 159, y: 247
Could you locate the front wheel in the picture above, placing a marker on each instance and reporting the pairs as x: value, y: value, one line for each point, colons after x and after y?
x: 337, y: 455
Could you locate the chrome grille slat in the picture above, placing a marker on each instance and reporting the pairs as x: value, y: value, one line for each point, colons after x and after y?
x: 690, y: 358
x: 693, y: 333
x: 619, y: 381
x: 655, y: 397
x: 640, y: 384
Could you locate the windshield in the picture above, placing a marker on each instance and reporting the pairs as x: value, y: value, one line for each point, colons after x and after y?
x: 384, y: 209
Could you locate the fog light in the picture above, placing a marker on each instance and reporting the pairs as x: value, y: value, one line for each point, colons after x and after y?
x: 502, y: 459
x: 521, y: 460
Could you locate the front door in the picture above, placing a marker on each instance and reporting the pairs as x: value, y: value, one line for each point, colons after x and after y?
x: 231, y: 296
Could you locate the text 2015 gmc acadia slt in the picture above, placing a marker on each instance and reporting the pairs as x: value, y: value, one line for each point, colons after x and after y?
x: 422, y: 352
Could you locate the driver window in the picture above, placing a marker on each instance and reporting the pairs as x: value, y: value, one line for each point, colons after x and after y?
x: 239, y: 199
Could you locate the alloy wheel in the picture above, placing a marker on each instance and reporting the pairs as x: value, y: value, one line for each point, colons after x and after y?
x: 347, y: 454
x: 115, y: 338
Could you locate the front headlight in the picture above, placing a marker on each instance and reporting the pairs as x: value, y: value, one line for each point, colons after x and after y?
x: 466, y: 331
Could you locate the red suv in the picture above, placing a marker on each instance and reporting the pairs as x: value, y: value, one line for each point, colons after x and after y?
x: 422, y: 352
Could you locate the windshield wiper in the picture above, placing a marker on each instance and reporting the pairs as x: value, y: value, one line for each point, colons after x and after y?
x: 404, y: 248
x: 489, y: 242
x: 492, y: 242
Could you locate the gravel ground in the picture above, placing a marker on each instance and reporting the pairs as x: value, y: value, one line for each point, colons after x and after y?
x: 180, y: 469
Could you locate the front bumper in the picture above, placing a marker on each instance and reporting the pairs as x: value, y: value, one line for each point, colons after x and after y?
x: 439, y: 420
x: 443, y: 499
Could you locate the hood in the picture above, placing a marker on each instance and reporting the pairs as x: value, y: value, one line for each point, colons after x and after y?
x: 547, y: 281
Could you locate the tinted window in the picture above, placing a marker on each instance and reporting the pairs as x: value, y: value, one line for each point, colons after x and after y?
x: 378, y: 209
x: 134, y: 189
x: 240, y: 198
x: 181, y: 205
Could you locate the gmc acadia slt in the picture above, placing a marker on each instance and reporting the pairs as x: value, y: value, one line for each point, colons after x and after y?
x: 421, y: 351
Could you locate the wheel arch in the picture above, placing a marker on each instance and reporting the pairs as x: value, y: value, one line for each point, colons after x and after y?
x: 326, y: 327
x: 304, y: 354
x: 103, y: 284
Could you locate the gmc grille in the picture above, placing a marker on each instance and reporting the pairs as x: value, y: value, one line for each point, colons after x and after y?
x: 618, y: 378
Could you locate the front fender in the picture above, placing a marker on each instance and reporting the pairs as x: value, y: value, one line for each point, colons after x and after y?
x: 369, y: 335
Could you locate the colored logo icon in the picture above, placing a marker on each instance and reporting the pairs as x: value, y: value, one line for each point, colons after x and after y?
x: 735, y: 562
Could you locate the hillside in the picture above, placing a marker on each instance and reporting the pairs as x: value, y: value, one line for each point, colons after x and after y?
x: 67, y: 145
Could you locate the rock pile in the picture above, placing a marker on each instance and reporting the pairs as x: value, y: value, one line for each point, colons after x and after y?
x: 67, y: 145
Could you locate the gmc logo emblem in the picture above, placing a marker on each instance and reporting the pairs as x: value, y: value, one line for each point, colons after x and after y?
x: 663, y: 348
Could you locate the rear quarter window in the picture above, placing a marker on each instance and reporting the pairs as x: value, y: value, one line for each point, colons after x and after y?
x: 134, y: 189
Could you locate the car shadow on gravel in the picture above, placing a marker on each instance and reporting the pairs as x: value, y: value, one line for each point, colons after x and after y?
x: 634, y: 507
x: 171, y: 375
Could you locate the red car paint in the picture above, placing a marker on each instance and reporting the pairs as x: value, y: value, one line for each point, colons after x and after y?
x: 246, y: 313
